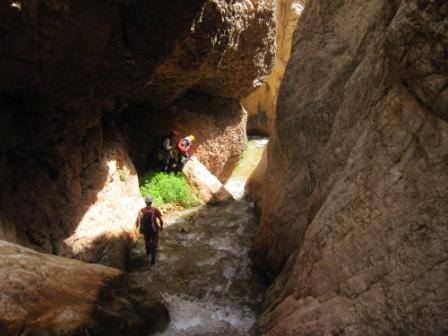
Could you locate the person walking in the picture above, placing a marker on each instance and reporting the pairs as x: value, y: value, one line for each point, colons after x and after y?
x: 149, y: 222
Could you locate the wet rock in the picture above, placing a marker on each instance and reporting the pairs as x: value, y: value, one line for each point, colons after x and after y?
x: 49, y: 295
x: 209, y: 188
x: 261, y: 104
x: 355, y: 195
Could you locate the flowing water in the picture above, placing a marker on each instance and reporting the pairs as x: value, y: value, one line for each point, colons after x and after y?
x: 203, y: 271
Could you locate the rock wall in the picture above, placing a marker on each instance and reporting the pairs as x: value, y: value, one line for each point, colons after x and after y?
x: 49, y: 295
x: 261, y: 104
x: 355, y: 195
x: 218, y: 124
x: 86, y: 90
x: 224, y: 49
x: 68, y: 185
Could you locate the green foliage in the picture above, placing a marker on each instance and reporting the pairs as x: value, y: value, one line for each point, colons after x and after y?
x: 170, y: 188
x: 122, y: 174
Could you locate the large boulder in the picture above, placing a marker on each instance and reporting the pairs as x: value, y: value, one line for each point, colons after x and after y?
x: 48, y: 295
x: 216, y: 47
x: 209, y: 188
x: 261, y: 105
x: 218, y: 124
x: 355, y: 194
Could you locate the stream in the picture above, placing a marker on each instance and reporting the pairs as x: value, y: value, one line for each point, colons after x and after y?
x: 203, y: 271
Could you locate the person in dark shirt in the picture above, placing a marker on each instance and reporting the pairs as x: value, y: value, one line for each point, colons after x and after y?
x: 149, y: 222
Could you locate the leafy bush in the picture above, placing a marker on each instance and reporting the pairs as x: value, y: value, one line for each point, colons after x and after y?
x: 168, y: 188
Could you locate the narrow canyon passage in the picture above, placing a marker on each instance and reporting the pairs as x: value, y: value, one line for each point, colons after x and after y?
x: 203, y: 272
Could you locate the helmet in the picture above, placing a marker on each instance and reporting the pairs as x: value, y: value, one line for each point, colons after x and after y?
x: 190, y: 137
x: 148, y: 199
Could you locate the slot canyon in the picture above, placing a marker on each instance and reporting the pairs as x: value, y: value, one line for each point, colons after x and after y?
x: 334, y: 225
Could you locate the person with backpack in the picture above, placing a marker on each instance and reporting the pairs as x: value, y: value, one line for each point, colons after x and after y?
x: 183, y: 146
x: 149, y: 222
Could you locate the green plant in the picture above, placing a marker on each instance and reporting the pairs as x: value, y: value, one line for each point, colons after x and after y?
x: 168, y: 188
x: 122, y: 174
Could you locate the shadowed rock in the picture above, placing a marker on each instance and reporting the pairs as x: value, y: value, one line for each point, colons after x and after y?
x: 48, y: 295
x: 355, y: 195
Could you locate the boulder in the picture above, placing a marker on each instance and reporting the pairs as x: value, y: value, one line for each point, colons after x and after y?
x: 209, y: 188
x: 216, y: 47
x: 49, y: 295
x: 218, y: 124
x: 355, y: 195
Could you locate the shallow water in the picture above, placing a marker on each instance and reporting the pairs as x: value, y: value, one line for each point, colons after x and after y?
x: 203, y: 271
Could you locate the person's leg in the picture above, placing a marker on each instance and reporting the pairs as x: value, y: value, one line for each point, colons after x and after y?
x: 154, y: 244
x: 153, y: 256
x: 147, y: 239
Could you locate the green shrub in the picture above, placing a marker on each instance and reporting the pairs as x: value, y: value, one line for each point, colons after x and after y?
x: 122, y: 174
x: 168, y: 188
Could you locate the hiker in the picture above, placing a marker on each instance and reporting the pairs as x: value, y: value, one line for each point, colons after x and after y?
x: 183, y: 146
x: 169, y: 155
x: 149, y: 221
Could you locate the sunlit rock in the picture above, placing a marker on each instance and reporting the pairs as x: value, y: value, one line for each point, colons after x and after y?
x: 261, y: 104
x: 209, y: 188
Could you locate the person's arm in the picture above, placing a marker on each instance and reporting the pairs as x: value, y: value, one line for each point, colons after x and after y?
x: 137, y: 221
x: 159, y: 217
x: 167, y: 144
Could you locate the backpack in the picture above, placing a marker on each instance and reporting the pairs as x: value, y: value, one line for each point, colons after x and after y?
x: 147, y: 223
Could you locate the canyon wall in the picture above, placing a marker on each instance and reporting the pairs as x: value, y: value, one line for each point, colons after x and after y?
x: 354, y: 199
x: 88, y: 88
x: 261, y: 104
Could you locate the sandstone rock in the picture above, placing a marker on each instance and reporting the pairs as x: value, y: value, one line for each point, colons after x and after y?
x: 209, y: 188
x: 106, y: 230
x: 146, y: 51
x: 217, y: 47
x: 49, y: 295
x: 261, y: 104
x: 254, y: 185
x: 355, y: 210
x: 218, y: 124
x: 66, y: 189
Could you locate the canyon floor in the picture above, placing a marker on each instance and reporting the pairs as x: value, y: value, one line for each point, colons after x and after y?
x: 204, y: 274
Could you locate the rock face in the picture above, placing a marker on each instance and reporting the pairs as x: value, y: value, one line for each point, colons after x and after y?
x: 209, y: 188
x: 261, y: 104
x: 74, y: 72
x: 49, y: 295
x: 151, y: 51
x: 71, y: 191
x: 220, y: 48
x: 218, y: 124
x: 355, y: 195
